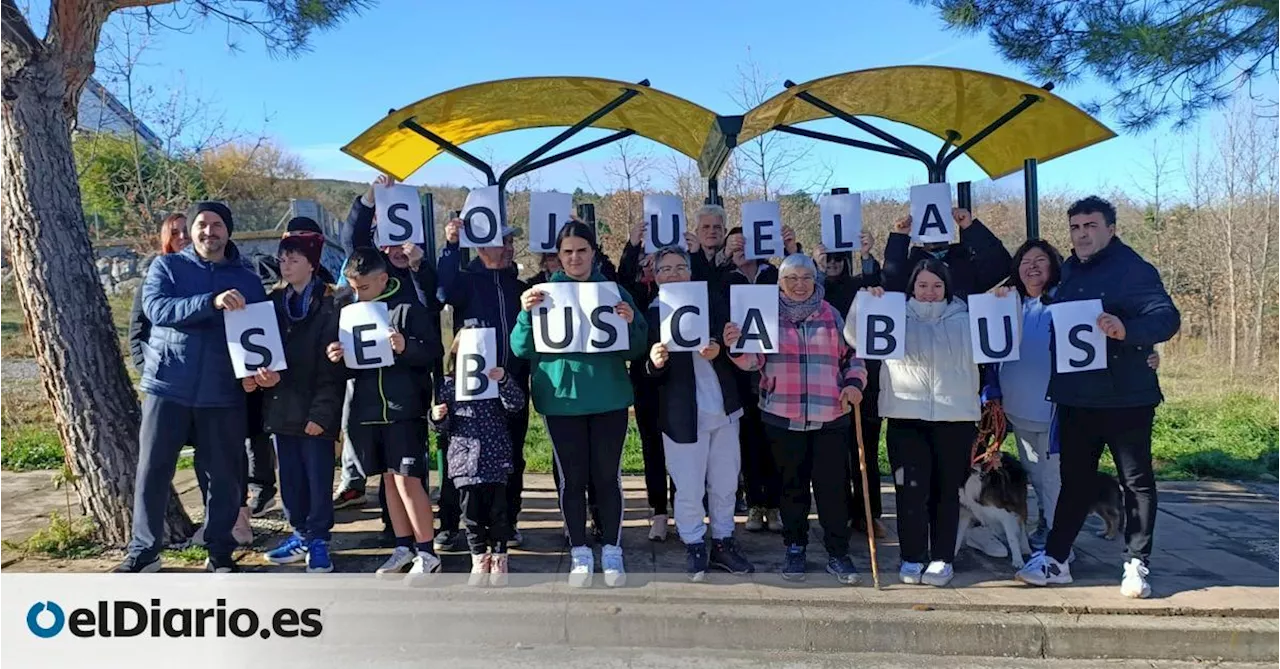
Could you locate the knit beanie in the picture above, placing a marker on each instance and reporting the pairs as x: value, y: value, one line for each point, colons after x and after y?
x: 222, y: 210
x: 309, y: 244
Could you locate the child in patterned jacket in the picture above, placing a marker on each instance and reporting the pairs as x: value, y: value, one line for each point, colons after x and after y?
x: 479, y: 462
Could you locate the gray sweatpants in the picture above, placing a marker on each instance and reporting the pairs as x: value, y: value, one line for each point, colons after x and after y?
x: 1042, y: 468
x: 353, y: 475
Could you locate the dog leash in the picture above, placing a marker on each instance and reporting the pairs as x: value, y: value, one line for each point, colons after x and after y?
x: 991, y: 432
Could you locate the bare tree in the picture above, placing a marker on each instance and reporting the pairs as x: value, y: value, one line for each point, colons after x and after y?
x: 769, y: 163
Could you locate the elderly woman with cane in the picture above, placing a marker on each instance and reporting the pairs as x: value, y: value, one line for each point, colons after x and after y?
x: 806, y: 391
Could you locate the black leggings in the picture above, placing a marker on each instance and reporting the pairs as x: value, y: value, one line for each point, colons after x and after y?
x: 930, y: 462
x: 588, y: 452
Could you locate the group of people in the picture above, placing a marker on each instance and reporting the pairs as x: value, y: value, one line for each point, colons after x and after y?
x: 719, y: 430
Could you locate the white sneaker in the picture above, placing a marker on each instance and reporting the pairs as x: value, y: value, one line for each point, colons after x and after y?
x: 481, y: 566
x: 584, y: 563
x: 425, y: 567
x: 773, y: 520
x: 985, y: 541
x: 1043, y: 570
x: 498, y: 570
x: 1134, y: 585
x: 910, y: 573
x: 395, y: 565
x: 658, y: 528
x: 937, y: 574
x: 755, y: 519
x: 611, y: 563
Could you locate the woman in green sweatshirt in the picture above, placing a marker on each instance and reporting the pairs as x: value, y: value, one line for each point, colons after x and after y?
x: 583, y: 398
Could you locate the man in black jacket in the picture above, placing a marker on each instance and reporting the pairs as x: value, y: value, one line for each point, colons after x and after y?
x: 698, y: 412
x: 302, y: 408
x: 978, y: 263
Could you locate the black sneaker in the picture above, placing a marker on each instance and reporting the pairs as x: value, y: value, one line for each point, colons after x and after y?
x: 132, y: 565
x: 696, y: 561
x: 725, y: 555
x: 349, y: 497
x: 262, y: 502
x: 842, y: 568
x: 448, y: 541
x: 221, y: 564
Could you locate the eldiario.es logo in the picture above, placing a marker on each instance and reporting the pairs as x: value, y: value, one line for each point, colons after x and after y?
x: 124, y: 618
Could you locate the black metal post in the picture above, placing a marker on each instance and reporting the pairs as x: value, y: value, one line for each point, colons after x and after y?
x: 429, y: 227
x: 569, y: 153
x: 713, y: 192
x: 587, y: 214
x: 1027, y: 100
x: 952, y: 137
x: 453, y: 149
x: 572, y: 130
x: 856, y: 143
x: 964, y: 195
x: 1031, y: 188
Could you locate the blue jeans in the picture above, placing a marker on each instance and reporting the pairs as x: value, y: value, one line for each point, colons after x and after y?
x: 306, y: 482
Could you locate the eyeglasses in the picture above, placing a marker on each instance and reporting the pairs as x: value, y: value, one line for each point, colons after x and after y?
x: 672, y: 269
x: 795, y: 280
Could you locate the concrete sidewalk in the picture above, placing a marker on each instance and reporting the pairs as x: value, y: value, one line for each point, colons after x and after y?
x: 1215, y: 563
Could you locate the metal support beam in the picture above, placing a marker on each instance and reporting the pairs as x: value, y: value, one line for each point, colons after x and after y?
x: 566, y: 154
x: 859, y: 123
x: 1031, y: 187
x: 517, y: 167
x: 856, y: 143
x: 952, y: 138
x: 964, y: 195
x: 1027, y: 100
x: 453, y: 149
x: 713, y: 192
x: 587, y: 214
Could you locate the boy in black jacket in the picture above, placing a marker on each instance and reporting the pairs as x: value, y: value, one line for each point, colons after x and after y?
x: 387, y: 409
x: 302, y: 405
x: 698, y: 412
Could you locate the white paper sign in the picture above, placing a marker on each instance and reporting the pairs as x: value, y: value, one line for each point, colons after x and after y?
x: 364, y: 332
x: 762, y: 230
x: 399, y: 215
x: 754, y: 309
x: 1078, y: 341
x: 664, y: 222
x: 253, y: 339
x: 481, y: 226
x: 548, y: 212
x: 477, y: 355
x: 842, y: 222
x: 931, y: 219
x: 685, y: 315
x: 995, y: 326
x: 882, y: 325
x: 578, y: 317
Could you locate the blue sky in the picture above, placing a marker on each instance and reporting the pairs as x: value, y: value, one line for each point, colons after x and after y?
x: 401, y: 51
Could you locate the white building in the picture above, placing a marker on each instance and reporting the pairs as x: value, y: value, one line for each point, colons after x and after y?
x: 100, y: 111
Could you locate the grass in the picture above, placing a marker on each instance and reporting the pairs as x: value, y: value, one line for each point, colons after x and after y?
x: 29, y: 448
x: 66, y: 538
x: 188, y: 555
x: 15, y: 341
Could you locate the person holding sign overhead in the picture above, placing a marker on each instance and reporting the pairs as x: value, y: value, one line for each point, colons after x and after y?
x: 387, y: 407
x: 480, y: 455
x: 406, y: 260
x: 191, y: 395
x: 929, y: 394
x: 698, y: 413
x: 302, y: 405
x: 1114, y: 406
x: 806, y: 392
x: 977, y: 263
x: 761, y: 480
x: 583, y: 397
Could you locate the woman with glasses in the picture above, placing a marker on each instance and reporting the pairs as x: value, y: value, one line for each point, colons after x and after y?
x: 698, y: 415
x: 807, y: 390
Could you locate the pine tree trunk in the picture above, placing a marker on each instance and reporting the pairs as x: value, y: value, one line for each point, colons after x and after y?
x: 77, y: 349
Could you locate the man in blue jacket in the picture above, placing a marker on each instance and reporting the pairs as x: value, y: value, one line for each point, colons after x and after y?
x: 1113, y: 407
x: 486, y: 293
x: 191, y: 393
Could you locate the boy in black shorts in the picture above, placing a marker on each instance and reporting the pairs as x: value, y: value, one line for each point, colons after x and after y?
x: 387, y: 410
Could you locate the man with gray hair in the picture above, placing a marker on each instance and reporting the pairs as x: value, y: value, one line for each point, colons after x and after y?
x: 708, y: 260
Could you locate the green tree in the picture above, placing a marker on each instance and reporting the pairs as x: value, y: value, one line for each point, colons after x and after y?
x: 1161, y: 59
x: 47, y: 241
x: 126, y: 191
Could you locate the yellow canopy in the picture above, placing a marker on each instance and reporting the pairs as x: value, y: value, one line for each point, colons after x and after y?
x: 938, y: 99
x: 481, y: 110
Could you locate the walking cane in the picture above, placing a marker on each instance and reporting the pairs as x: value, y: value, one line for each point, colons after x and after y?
x: 866, y: 492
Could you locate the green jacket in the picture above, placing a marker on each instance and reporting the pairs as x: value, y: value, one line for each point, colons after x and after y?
x: 580, y: 384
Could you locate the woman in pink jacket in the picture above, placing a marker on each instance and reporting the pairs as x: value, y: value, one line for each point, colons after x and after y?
x: 806, y: 391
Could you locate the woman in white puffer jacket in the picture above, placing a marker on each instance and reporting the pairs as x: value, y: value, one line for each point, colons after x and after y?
x: 931, y: 401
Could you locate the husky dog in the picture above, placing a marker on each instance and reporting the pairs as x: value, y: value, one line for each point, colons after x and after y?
x: 998, y: 500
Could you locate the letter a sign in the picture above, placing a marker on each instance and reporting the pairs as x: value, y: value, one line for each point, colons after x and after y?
x: 481, y: 219
x: 399, y: 215
x: 995, y: 326
x: 755, y: 310
x: 477, y: 354
x: 1078, y: 342
x: 931, y: 220
x: 253, y: 339
x: 880, y: 325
